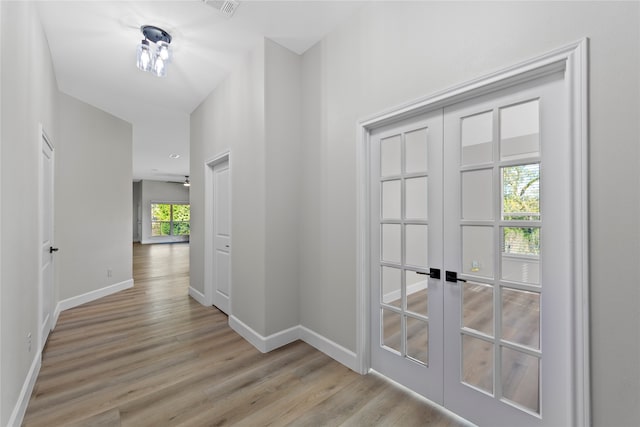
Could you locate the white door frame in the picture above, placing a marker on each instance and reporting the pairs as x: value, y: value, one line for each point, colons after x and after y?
x: 44, y: 138
x: 573, y: 59
x: 208, y: 225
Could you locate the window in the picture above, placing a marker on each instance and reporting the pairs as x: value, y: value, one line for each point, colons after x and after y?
x: 170, y: 219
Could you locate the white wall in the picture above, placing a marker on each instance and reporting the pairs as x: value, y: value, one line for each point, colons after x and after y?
x: 92, y: 204
x: 255, y: 114
x: 160, y: 191
x: 29, y: 96
x: 231, y: 119
x: 393, y: 52
x: 93, y: 200
x: 283, y: 128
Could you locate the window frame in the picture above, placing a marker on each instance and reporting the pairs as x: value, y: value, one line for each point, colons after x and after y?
x: 171, y: 221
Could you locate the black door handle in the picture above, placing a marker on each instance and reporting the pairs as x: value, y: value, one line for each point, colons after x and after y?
x: 434, y: 273
x: 52, y: 249
x: 452, y: 276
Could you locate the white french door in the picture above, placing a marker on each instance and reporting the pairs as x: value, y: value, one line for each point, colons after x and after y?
x: 479, y: 196
x: 406, y: 208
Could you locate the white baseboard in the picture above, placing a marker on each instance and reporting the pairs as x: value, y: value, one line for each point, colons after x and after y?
x: 25, y: 394
x: 198, y: 296
x: 282, y: 338
x: 334, y: 350
x: 90, y: 296
x: 56, y: 314
x: 264, y: 344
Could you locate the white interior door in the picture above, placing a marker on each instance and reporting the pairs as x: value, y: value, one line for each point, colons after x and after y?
x: 491, y: 205
x: 508, y: 239
x: 46, y: 246
x: 406, y: 219
x: 221, y: 236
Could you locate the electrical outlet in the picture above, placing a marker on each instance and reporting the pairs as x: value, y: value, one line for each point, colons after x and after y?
x: 29, y: 342
x: 109, y: 272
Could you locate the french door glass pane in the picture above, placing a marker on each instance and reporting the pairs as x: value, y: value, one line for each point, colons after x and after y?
x: 391, y: 329
x: 417, y: 292
x: 477, y: 251
x: 477, y: 195
x: 519, y: 131
x: 477, y: 307
x: 417, y: 339
x: 477, y: 363
x: 390, y: 156
x: 391, y: 286
x: 416, y: 151
x: 521, y: 378
x: 521, y: 255
x: 391, y: 199
x: 521, y: 317
x: 391, y: 243
x: 416, y: 198
x: 416, y: 245
x: 477, y: 138
x: 521, y: 192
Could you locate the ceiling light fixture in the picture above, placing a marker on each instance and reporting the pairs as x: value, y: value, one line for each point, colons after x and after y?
x: 153, y: 52
x: 186, y: 183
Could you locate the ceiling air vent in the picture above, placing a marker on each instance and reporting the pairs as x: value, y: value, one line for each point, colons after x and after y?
x: 226, y: 7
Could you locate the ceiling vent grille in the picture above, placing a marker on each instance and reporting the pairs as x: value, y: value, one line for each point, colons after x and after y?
x: 226, y: 7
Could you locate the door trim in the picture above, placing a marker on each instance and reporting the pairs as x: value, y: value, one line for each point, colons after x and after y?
x: 573, y: 59
x: 209, y: 165
x: 44, y: 138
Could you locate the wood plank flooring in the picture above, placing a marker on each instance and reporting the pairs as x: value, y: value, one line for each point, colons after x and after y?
x: 152, y: 356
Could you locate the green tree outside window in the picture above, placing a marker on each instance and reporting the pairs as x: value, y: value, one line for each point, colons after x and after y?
x: 170, y: 220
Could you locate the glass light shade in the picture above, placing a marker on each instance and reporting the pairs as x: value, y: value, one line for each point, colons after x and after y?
x: 163, y: 51
x: 144, y: 56
x: 159, y: 67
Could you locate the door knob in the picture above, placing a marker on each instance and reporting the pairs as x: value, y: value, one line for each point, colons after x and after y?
x: 452, y: 276
x: 434, y: 273
x: 52, y: 249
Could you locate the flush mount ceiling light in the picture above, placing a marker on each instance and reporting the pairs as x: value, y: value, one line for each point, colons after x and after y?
x: 153, y: 52
x: 186, y: 182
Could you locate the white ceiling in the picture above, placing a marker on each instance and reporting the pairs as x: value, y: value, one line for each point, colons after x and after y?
x: 93, y: 45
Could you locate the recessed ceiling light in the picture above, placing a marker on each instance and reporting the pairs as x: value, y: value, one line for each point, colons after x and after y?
x: 174, y: 156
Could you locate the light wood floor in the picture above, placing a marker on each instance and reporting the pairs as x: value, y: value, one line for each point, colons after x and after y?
x: 152, y: 356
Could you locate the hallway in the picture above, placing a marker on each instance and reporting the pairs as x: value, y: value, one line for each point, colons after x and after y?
x: 152, y: 356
